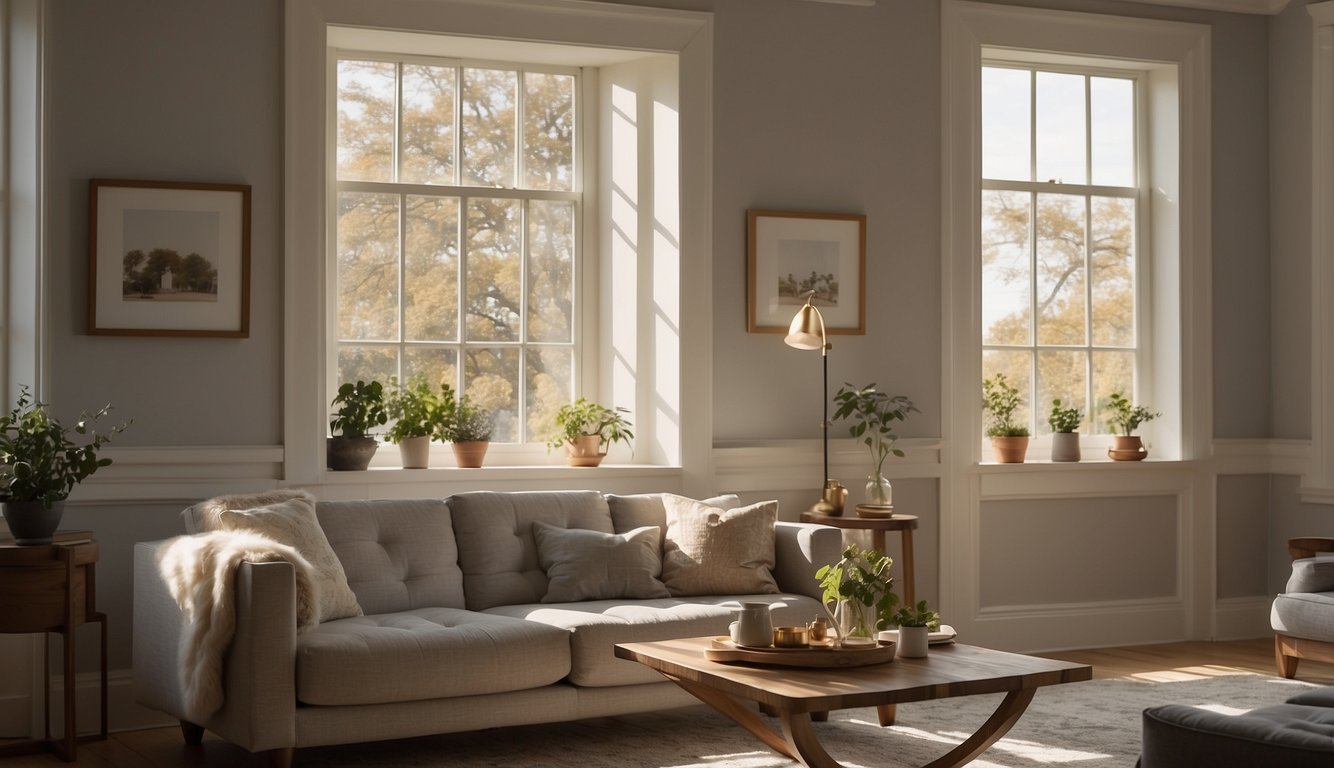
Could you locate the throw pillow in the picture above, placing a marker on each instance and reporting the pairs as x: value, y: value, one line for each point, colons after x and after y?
x: 591, y: 565
x: 289, y: 518
x: 714, y: 551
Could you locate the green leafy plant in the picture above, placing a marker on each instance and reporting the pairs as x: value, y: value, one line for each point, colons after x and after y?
x: 465, y: 422
x: 1000, y: 400
x: 38, y: 460
x: 1064, y: 419
x: 1126, y: 418
x: 917, y: 616
x: 361, y: 408
x: 862, y: 577
x: 583, y: 417
x: 416, y: 409
x: 874, y: 413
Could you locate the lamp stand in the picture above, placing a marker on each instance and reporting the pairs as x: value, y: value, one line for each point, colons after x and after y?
x: 833, y: 495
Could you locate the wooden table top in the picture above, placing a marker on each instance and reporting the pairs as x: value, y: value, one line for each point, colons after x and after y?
x: 852, y: 520
x: 948, y: 670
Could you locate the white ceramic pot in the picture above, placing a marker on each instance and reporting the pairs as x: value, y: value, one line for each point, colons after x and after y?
x: 415, y: 452
x: 1065, y: 446
x: 753, y: 627
x: 912, y: 642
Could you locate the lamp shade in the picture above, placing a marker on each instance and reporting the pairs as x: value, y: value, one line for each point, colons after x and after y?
x: 807, y: 329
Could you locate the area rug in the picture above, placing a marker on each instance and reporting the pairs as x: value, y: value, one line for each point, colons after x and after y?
x: 1094, y: 724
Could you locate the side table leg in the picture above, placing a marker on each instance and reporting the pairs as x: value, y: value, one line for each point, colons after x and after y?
x: 909, y: 594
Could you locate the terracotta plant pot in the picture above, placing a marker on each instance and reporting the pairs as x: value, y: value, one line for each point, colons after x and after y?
x: 470, y: 453
x: 1127, y: 448
x: 415, y: 452
x: 584, y: 451
x: 1010, y: 450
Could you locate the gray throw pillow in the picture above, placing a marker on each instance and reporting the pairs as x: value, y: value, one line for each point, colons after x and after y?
x: 590, y: 565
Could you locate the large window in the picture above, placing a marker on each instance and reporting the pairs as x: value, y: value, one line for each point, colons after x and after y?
x: 457, y: 248
x: 1061, y: 268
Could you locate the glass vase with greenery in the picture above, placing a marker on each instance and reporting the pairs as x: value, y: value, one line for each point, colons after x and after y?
x: 873, y: 414
x: 858, y: 595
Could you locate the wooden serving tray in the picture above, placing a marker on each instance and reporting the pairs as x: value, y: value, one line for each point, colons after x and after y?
x: 723, y: 649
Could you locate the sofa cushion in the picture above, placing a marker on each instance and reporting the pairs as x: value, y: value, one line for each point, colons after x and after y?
x: 1290, y: 735
x: 591, y: 565
x: 1316, y: 697
x: 1303, y: 614
x: 714, y: 551
x: 399, y: 554
x: 497, y: 551
x: 632, y: 511
x: 1312, y: 574
x: 428, y: 653
x: 287, y: 517
x: 597, y: 626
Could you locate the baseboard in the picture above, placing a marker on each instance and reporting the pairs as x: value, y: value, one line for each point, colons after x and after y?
x: 124, y: 713
x: 1242, y: 618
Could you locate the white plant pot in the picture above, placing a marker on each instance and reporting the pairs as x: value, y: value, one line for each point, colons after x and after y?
x: 1065, y: 446
x: 415, y: 452
x: 912, y: 642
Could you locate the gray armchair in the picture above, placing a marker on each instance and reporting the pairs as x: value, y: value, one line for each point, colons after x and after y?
x: 1303, y: 616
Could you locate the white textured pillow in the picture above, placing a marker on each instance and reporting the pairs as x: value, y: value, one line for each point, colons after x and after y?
x: 291, y: 521
x: 590, y: 565
x: 714, y: 551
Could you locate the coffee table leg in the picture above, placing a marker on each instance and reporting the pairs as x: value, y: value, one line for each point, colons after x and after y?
x: 996, y: 726
x: 740, y: 712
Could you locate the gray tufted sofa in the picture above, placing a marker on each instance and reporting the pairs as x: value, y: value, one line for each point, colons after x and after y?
x: 1303, y: 615
x: 1296, y: 734
x: 455, y: 636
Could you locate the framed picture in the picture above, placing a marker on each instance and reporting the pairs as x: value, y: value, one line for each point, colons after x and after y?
x: 168, y: 259
x: 792, y: 256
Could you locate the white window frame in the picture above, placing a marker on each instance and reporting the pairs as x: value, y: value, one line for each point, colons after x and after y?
x: 1176, y: 56
x: 658, y: 367
x: 1142, y: 343
x: 583, y: 349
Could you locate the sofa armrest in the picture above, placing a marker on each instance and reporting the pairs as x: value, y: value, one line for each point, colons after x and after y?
x: 800, y: 549
x: 1180, y: 736
x: 259, y: 670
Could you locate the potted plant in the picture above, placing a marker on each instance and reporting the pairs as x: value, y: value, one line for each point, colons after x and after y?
x: 418, y: 414
x: 916, y: 622
x: 586, y: 429
x: 1125, y: 418
x: 467, y: 427
x: 1064, y: 423
x: 874, y: 414
x: 40, y: 465
x: 858, y: 595
x: 360, y: 410
x: 1000, y: 400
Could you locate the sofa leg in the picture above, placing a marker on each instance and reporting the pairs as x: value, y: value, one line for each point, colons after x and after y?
x: 1287, y: 664
x: 281, y: 758
x: 194, y: 734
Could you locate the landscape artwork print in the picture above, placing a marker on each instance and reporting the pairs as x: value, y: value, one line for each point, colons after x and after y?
x: 169, y: 259
x: 793, y: 257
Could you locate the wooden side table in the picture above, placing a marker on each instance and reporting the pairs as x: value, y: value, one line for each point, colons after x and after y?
x: 904, y: 524
x: 52, y: 589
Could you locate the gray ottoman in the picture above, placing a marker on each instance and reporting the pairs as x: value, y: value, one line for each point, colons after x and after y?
x: 1296, y: 734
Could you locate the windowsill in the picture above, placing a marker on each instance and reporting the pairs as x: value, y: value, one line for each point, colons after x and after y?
x: 1046, y: 465
x: 497, y: 473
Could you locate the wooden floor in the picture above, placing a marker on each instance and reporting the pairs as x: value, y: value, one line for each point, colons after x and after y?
x: 164, y: 748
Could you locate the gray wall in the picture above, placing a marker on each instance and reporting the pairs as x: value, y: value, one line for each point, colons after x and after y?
x: 816, y: 107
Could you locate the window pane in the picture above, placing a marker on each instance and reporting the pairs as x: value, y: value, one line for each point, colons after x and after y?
x: 1113, y: 265
x: 361, y: 362
x: 1018, y: 370
x: 550, y: 376
x: 428, y: 125
x: 1112, y: 104
x: 491, y: 380
x: 367, y: 266
x: 1006, y: 312
x: 1061, y: 302
x: 1063, y: 375
x: 493, y: 270
x: 431, y: 286
x: 435, y: 364
x: 548, y: 131
x: 1006, y: 129
x: 550, y: 271
x: 1060, y: 128
x: 1112, y: 372
x: 488, y: 127
x: 365, y: 120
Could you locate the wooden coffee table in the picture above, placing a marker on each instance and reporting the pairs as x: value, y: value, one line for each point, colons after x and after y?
x: 797, y: 693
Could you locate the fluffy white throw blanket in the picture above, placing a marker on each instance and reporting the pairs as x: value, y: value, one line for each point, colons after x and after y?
x: 200, y: 571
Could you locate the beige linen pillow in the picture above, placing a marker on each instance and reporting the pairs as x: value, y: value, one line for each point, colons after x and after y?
x: 591, y: 565
x: 714, y: 551
x: 288, y: 517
